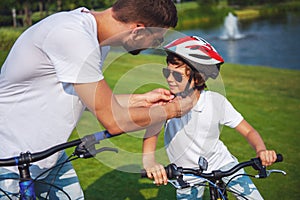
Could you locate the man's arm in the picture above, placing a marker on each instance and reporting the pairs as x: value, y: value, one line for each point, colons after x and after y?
x: 157, y: 96
x: 116, y: 118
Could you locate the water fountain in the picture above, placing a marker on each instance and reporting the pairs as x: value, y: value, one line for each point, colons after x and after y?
x: 231, y: 31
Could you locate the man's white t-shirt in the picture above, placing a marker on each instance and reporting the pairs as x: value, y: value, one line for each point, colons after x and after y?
x: 38, y: 105
x: 197, y: 133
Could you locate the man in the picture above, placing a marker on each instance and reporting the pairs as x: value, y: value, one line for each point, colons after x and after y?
x: 54, y: 71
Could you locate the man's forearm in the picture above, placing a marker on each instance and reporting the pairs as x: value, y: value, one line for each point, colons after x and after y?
x: 132, y: 119
x: 130, y: 100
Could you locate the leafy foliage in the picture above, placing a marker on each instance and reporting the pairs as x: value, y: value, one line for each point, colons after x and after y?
x: 8, y: 38
x: 25, y: 8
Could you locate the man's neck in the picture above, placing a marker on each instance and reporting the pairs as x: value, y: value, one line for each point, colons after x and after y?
x: 109, y: 30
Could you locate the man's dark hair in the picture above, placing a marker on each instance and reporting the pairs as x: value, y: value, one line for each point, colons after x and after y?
x: 152, y: 13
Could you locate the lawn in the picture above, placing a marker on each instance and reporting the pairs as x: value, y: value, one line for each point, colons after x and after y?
x: 268, y: 98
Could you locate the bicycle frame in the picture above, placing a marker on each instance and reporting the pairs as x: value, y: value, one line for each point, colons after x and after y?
x: 85, y: 148
x: 215, y: 194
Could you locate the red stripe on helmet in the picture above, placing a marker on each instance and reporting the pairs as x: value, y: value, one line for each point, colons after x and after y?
x: 179, y: 41
x: 207, y: 49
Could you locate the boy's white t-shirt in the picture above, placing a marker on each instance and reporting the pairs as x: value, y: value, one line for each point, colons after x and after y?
x: 38, y: 105
x: 197, y: 133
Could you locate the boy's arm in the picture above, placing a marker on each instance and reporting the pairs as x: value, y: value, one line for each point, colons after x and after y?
x: 154, y: 170
x: 268, y: 157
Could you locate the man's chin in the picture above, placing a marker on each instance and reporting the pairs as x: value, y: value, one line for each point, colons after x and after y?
x: 135, y: 52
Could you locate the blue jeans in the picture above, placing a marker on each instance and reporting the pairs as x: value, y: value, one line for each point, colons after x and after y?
x: 243, y: 185
x: 63, y: 177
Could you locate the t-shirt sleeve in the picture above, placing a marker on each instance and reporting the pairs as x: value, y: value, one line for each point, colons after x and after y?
x: 232, y: 117
x: 75, y: 55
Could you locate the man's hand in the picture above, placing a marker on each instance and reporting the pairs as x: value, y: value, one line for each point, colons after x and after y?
x: 179, y: 106
x: 158, y: 96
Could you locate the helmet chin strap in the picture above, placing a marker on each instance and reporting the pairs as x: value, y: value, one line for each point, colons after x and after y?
x: 187, y: 90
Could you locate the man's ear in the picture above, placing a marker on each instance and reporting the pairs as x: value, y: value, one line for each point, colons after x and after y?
x: 138, y: 32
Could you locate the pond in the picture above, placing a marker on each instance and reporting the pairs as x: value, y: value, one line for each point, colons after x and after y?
x: 269, y: 42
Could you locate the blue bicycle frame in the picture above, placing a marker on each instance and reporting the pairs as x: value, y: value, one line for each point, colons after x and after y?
x: 85, y: 148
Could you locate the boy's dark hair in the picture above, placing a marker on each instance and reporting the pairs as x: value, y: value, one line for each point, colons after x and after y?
x: 152, y: 13
x: 198, y: 77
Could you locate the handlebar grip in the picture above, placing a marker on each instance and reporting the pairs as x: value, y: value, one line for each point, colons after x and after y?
x: 102, y: 135
x: 144, y: 173
x: 279, y: 158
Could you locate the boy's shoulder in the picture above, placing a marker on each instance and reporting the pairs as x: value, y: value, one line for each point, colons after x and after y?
x: 212, y: 94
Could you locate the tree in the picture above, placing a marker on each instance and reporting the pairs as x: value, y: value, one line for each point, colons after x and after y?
x: 25, y: 8
x: 206, y: 6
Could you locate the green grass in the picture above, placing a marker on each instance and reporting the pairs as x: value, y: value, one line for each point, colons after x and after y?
x: 3, y: 55
x: 268, y: 98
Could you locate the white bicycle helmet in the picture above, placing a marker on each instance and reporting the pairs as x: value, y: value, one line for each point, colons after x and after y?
x: 196, y: 51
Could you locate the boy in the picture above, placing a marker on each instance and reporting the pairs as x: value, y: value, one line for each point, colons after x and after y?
x: 191, y: 61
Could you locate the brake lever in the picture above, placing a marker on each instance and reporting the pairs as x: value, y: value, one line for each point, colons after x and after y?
x: 91, y: 152
x: 269, y: 172
x: 175, y: 184
x: 183, y: 184
x: 107, y: 149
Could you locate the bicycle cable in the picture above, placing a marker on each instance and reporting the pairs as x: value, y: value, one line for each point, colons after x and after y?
x: 54, y: 186
x: 231, y: 190
x: 60, y: 167
x: 5, y: 194
x: 236, y: 193
x: 212, y: 184
x: 36, y: 179
x: 226, y: 185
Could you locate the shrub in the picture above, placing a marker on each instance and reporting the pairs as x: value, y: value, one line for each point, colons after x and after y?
x: 8, y: 36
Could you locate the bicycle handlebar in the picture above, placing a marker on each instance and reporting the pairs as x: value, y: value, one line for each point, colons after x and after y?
x: 174, y: 172
x: 81, y: 151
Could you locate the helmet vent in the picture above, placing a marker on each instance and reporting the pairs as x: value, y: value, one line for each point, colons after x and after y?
x: 200, y: 56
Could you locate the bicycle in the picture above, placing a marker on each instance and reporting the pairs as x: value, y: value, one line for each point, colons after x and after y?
x: 85, y: 148
x: 217, y: 188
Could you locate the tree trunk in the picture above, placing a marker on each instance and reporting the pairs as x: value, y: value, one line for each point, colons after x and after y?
x: 41, y: 9
x: 27, y: 21
x: 14, y: 15
x: 59, y: 3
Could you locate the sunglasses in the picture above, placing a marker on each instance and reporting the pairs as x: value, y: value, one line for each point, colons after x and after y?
x: 177, y: 75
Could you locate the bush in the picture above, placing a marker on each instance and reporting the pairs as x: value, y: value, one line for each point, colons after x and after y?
x: 5, y: 20
x: 8, y: 36
x: 200, y: 17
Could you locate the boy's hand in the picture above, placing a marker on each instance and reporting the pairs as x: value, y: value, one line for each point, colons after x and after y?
x: 158, y: 173
x: 267, y: 157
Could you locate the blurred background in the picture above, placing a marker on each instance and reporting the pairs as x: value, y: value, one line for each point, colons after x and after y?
x: 255, y: 32
x: 259, y: 41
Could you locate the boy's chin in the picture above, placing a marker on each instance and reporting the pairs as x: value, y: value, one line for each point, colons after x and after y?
x: 174, y: 91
